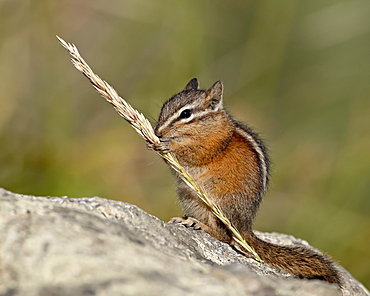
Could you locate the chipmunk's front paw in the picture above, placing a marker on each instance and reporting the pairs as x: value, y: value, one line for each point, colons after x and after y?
x: 187, y: 222
x: 162, y: 146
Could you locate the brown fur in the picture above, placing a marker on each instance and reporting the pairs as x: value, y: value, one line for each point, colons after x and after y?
x: 230, y: 162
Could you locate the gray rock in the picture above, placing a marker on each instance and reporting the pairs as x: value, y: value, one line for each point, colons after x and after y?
x: 94, y: 246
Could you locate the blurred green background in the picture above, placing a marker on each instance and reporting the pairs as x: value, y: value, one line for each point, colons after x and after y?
x: 297, y: 71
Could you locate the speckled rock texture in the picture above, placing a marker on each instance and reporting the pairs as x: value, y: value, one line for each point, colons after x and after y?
x: 94, y: 246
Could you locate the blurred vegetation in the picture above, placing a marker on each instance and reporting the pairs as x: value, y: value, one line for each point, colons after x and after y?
x: 297, y: 71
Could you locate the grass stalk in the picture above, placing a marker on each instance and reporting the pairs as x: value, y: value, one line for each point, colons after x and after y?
x: 143, y: 128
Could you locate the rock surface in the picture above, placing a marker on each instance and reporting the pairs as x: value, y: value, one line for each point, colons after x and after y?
x: 94, y: 246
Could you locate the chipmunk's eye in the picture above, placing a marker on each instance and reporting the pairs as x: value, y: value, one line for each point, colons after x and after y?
x: 185, y: 114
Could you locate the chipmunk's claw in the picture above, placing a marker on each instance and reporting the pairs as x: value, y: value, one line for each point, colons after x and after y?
x: 161, y: 147
x: 188, y: 222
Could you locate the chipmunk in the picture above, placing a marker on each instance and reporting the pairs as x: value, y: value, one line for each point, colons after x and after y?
x: 230, y: 162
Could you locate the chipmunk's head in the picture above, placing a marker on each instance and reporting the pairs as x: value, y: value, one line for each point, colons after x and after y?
x: 191, y: 112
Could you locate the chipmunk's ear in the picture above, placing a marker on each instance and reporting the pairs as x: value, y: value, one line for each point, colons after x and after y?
x: 213, y: 97
x: 192, y: 84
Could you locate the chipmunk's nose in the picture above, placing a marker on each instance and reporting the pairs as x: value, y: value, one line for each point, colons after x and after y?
x: 157, y: 132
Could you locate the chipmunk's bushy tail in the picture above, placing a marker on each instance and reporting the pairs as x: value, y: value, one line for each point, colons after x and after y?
x: 299, y: 261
